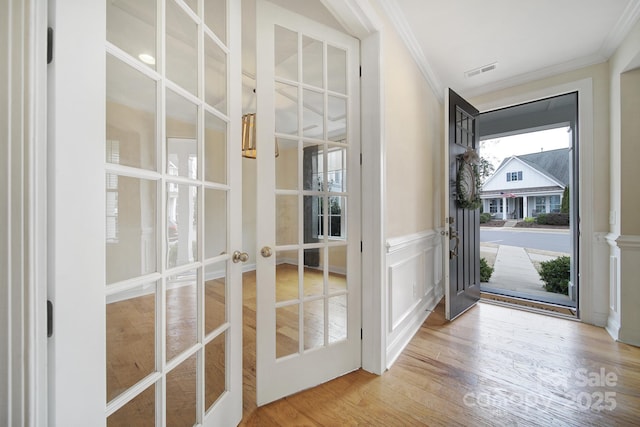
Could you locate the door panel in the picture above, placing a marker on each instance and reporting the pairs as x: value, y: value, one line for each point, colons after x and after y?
x: 463, y: 268
x: 309, y: 289
x: 164, y: 288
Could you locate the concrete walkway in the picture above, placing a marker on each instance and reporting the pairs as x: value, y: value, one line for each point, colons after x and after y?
x: 514, y: 271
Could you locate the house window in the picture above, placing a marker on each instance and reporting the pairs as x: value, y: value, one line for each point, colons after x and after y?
x: 329, y: 202
x: 541, y: 205
x: 495, y: 206
x: 554, y: 204
x: 514, y: 176
x: 111, y: 186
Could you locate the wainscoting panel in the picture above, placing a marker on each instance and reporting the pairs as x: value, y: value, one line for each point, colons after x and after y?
x: 414, y: 273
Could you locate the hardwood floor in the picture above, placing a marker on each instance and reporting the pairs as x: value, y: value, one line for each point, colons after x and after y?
x: 491, y: 366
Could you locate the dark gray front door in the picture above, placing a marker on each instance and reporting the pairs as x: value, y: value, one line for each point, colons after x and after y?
x: 464, y: 223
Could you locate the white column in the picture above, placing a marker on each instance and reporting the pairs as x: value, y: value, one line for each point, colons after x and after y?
x: 525, y: 206
x: 504, y: 208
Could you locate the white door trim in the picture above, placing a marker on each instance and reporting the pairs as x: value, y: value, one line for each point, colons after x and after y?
x: 593, y: 294
x: 23, y: 358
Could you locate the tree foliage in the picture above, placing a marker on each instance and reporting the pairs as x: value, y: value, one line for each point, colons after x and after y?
x: 485, y: 169
x: 564, y: 206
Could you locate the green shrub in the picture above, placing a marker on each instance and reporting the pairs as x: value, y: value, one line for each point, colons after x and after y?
x: 564, y: 205
x: 485, y: 217
x: 555, y: 274
x: 485, y: 270
x: 529, y: 220
x: 553, y: 219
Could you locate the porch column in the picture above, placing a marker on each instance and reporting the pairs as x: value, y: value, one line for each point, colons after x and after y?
x: 504, y: 208
x: 525, y: 206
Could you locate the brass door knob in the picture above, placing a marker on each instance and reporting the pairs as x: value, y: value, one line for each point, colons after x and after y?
x: 266, y: 252
x: 240, y: 257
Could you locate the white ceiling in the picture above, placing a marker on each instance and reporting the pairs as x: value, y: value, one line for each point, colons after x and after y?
x: 527, y: 39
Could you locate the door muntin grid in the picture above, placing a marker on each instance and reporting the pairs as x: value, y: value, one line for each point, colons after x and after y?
x: 311, y: 193
x: 167, y: 218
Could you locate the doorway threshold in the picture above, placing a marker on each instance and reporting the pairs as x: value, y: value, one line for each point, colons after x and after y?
x: 530, y: 305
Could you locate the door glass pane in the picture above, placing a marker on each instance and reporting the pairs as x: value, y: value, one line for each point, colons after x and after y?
x: 337, y: 69
x: 131, y: 116
x: 130, y: 227
x: 181, y: 50
x: 287, y: 276
x: 182, y: 291
x: 131, y: 317
x: 337, y: 217
x: 337, y: 170
x: 286, y: 100
x: 215, y: 149
x: 337, y: 318
x: 215, y: 222
x: 215, y: 85
x: 337, y: 119
x: 181, y: 394
x: 287, y: 327
x: 313, y: 167
x: 314, y: 272
x: 215, y: 365
x: 313, y: 219
x: 337, y: 268
x: 313, y: 324
x: 182, y: 225
x: 286, y: 53
x: 131, y: 25
x: 313, y: 114
x: 312, y: 62
x: 215, y: 12
x: 140, y: 411
x: 286, y: 220
x: 287, y: 165
x: 215, y: 296
x: 193, y: 5
x: 182, y: 149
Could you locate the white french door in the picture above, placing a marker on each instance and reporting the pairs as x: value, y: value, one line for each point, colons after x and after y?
x: 146, y: 194
x: 308, y: 199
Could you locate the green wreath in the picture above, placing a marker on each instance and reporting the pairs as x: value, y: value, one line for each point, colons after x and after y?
x: 468, y: 182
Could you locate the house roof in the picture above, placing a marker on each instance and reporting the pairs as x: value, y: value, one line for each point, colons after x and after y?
x: 554, y: 163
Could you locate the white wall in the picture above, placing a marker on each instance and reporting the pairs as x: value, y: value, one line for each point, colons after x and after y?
x: 413, y: 129
x: 624, y: 236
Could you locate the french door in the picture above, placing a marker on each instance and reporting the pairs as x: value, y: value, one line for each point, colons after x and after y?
x: 308, y: 232
x: 146, y: 176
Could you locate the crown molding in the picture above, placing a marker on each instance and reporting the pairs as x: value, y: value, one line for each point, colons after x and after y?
x: 621, y: 29
x: 399, y: 22
x: 358, y: 17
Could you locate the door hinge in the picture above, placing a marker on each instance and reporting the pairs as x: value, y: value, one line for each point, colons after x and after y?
x: 360, y: 159
x: 360, y: 333
x: 360, y: 70
x: 49, y: 45
x: 49, y: 319
x: 360, y: 245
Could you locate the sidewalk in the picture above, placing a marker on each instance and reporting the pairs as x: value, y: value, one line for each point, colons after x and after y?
x: 514, y: 272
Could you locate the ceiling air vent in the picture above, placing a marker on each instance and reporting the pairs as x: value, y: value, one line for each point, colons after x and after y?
x: 480, y: 70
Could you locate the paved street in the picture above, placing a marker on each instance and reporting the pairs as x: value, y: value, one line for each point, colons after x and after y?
x: 542, y: 240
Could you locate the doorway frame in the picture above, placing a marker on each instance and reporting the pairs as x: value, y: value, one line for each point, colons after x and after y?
x: 592, y: 299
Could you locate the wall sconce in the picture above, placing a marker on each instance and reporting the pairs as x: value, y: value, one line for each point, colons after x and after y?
x: 249, y: 149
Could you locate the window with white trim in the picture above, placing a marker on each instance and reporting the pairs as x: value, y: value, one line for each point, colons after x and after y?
x: 495, y: 205
x: 111, y: 196
x: 554, y: 204
x: 514, y: 176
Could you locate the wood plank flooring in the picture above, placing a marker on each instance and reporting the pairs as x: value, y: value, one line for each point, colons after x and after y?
x: 492, y: 366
